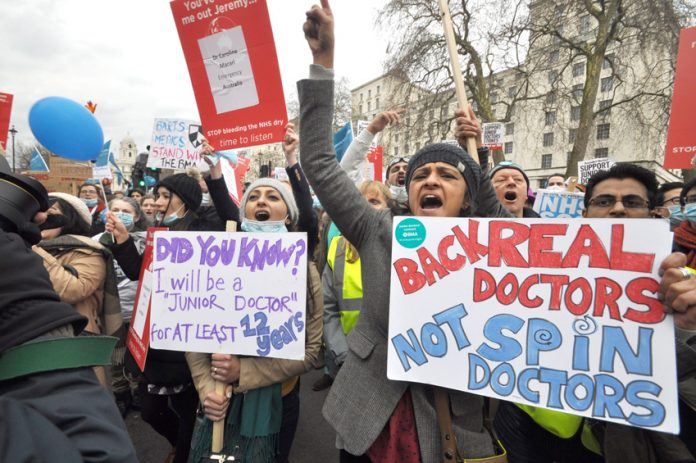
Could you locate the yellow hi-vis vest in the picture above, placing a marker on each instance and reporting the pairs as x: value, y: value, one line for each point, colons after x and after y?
x: 347, y: 278
x: 563, y: 425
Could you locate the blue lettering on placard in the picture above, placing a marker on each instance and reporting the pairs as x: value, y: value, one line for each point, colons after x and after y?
x: 555, y: 379
x: 523, y: 384
x: 581, y: 353
x: 432, y: 337
x: 614, y: 342
x: 575, y: 400
x: 508, y: 348
x: 656, y: 409
x: 542, y: 336
x: 609, y: 392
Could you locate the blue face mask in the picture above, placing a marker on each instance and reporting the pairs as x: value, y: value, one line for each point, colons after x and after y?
x: 676, y: 216
x: 170, y: 219
x: 269, y: 226
x: 690, y: 213
x: 90, y: 202
x: 126, y: 218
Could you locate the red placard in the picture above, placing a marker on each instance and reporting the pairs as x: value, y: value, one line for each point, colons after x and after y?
x: 681, y: 136
x: 374, y: 157
x: 232, y: 61
x: 138, y: 340
x: 5, y: 111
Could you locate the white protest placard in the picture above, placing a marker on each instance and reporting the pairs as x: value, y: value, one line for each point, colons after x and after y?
x: 559, y: 315
x: 559, y: 203
x: 235, y: 293
x: 176, y: 144
x: 361, y: 125
x: 281, y: 174
x: 493, y: 135
x: 587, y: 169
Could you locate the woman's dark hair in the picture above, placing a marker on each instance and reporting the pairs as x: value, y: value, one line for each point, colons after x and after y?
x: 76, y: 225
x: 136, y: 190
x: 141, y: 223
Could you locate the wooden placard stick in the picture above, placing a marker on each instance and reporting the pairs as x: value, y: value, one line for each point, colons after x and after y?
x: 462, y: 100
x: 219, y: 426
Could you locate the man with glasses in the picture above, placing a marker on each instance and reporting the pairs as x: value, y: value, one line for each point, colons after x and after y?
x: 668, y: 199
x: 624, y: 191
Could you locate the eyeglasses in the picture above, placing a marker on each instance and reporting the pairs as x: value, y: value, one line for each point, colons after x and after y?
x: 673, y: 201
x: 690, y: 199
x: 629, y: 202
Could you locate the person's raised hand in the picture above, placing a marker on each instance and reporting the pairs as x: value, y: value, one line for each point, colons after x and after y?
x: 467, y: 126
x: 114, y: 226
x: 678, y: 291
x: 225, y: 368
x: 383, y: 119
x: 290, y: 144
x: 319, y: 32
x: 215, y: 167
x: 215, y: 405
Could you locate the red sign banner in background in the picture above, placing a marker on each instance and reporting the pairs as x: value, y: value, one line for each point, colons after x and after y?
x: 5, y: 111
x: 232, y: 61
x: 681, y: 136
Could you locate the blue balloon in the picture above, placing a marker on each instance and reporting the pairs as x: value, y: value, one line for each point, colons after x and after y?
x: 66, y: 128
x: 150, y: 181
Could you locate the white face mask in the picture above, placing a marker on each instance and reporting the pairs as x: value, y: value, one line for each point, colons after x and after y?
x: 399, y: 193
x: 205, y: 200
x: 267, y: 226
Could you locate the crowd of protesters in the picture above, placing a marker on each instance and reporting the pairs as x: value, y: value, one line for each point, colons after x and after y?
x: 71, y: 276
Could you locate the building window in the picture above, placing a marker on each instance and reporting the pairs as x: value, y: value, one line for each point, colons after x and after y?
x: 603, y: 131
x: 407, y: 151
x: 548, y: 139
x: 360, y: 108
x: 575, y: 113
x: 549, y: 117
x: 494, y: 97
x: 432, y: 114
x: 378, y: 90
x: 512, y: 91
x: 553, y: 76
x: 361, y: 97
x: 396, y: 151
x: 546, y: 161
x: 554, y: 55
x: 558, y: 11
x: 601, y: 153
x: 572, y: 134
x: 509, y: 128
x: 605, y: 107
x: 376, y: 103
x: 607, y: 83
x: 608, y: 61
x: 508, y: 147
x: 578, y: 69
x: 551, y: 98
x: 369, y: 106
x: 568, y: 155
x: 577, y: 91
x: 369, y: 94
x: 396, y: 138
x: 584, y: 25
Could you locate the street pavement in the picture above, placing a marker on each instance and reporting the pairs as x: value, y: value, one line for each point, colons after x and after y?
x: 314, y: 440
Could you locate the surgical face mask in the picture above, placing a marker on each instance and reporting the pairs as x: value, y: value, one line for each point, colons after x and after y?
x: 399, y: 193
x: 676, y: 216
x: 171, y: 218
x: 90, y: 202
x: 690, y: 213
x: 205, y: 199
x: 126, y: 218
x: 268, y: 226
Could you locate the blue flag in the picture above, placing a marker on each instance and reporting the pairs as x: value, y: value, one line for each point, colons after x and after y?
x: 342, y: 140
x: 119, y: 174
x: 103, y: 158
x: 37, y: 163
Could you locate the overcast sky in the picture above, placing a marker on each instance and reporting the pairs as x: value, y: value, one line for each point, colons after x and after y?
x: 125, y: 55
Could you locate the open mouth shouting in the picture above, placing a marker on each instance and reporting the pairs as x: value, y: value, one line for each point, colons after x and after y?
x: 430, y: 203
x: 262, y: 215
x: 510, y: 196
x: 401, y: 179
